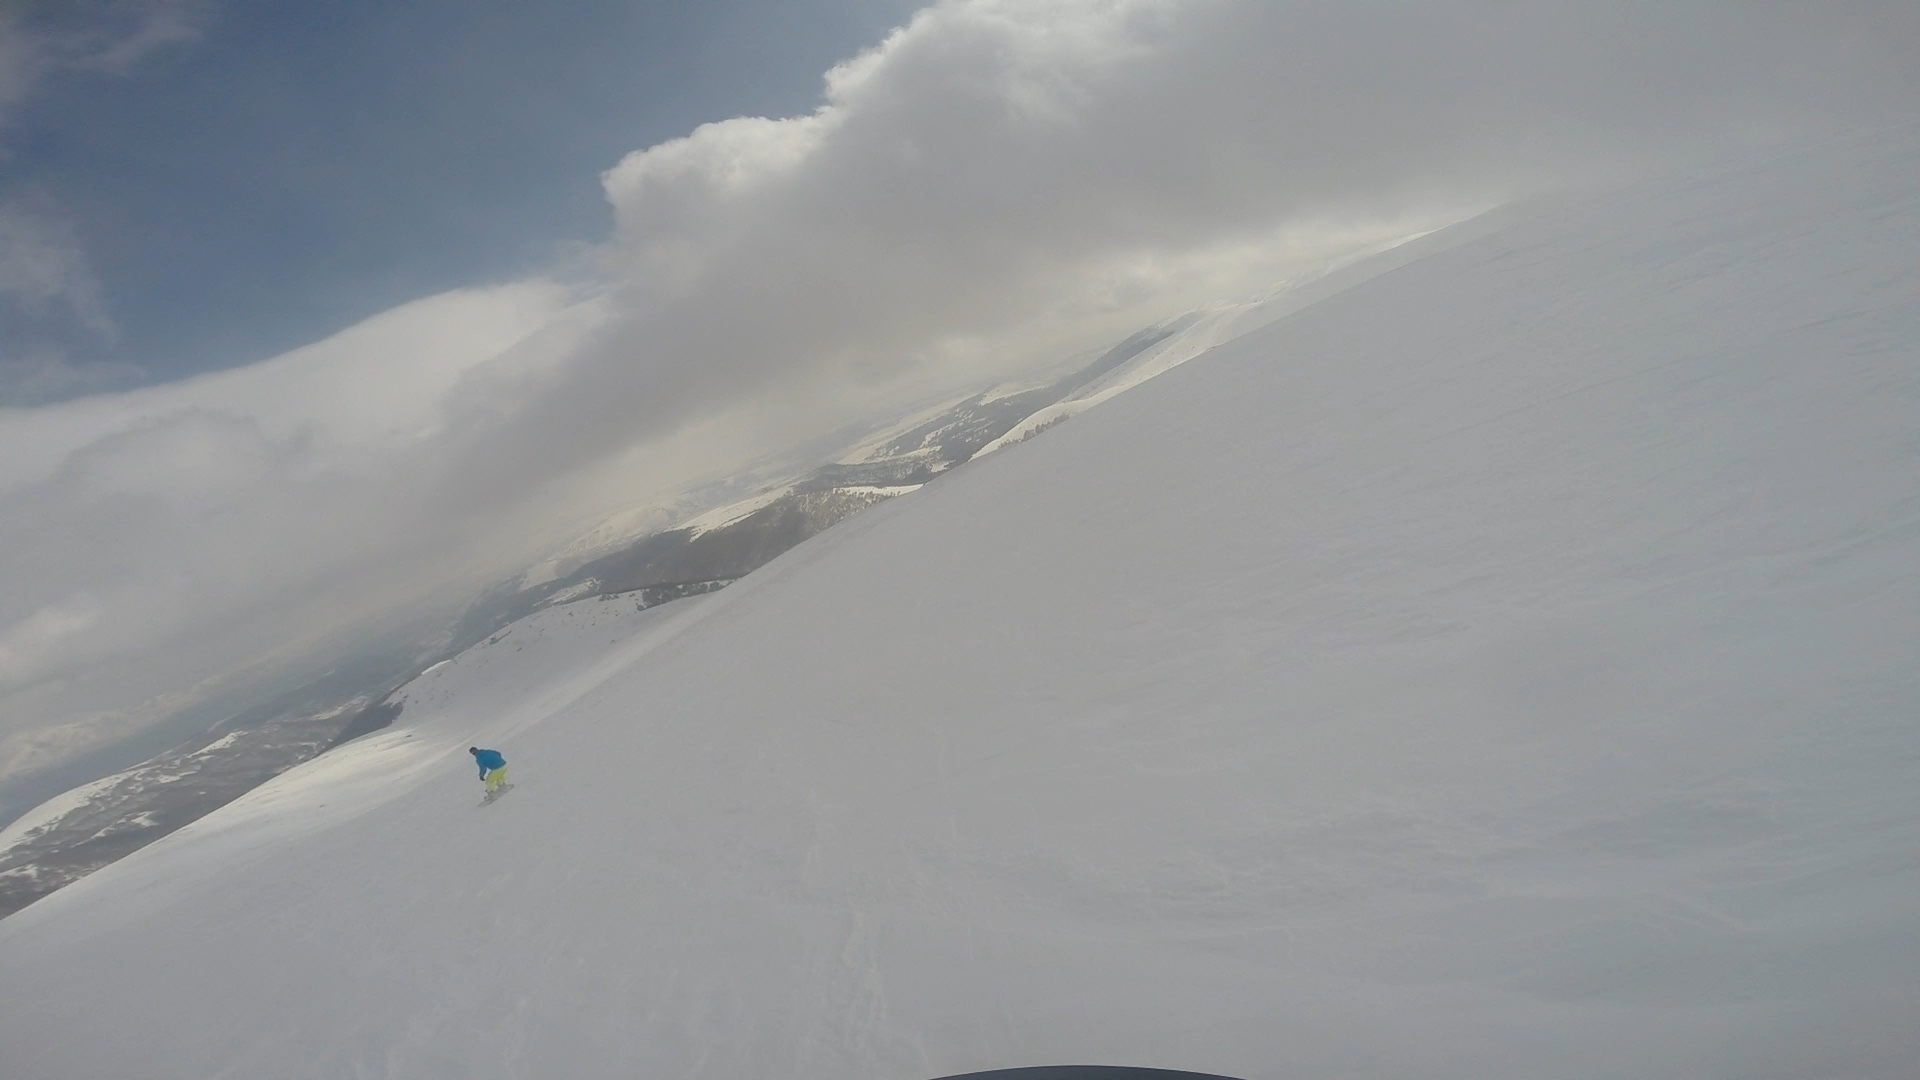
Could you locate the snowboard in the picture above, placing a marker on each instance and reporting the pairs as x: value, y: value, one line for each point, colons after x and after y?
x: 495, y: 796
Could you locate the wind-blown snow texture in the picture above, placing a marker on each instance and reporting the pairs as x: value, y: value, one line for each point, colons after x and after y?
x: 1503, y: 668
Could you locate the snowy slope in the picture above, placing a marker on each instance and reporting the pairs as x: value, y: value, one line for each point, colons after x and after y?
x: 1198, y: 332
x: 1502, y: 668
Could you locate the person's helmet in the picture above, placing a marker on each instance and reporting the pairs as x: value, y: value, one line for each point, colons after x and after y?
x: 473, y: 749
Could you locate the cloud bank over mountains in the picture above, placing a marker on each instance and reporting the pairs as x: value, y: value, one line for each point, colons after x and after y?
x: 996, y: 183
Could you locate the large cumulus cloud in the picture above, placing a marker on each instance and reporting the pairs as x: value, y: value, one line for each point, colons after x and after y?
x: 997, y: 182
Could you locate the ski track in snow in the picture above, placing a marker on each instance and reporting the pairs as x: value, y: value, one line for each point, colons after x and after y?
x: 1536, y: 700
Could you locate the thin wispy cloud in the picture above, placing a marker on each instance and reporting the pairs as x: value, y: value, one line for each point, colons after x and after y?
x: 996, y: 183
x: 42, y: 41
x: 44, y: 271
x: 51, y: 303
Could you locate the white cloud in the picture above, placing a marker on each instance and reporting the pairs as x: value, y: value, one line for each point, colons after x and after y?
x: 51, y: 304
x: 49, y: 300
x: 44, y: 270
x: 24, y: 644
x: 106, y: 36
x: 41, y: 372
x: 996, y: 182
x: 184, y: 508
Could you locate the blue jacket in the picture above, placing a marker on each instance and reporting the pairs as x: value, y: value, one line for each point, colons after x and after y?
x: 489, y: 760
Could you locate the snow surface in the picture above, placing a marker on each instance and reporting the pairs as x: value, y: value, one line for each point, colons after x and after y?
x: 875, y: 444
x: 1208, y: 329
x: 884, y: 491
x: 50, y: 812
x: 721, y: 517
x: 1538, y: 699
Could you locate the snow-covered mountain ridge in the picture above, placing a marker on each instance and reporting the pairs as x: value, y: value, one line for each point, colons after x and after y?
x: 1503, y: 667
x: 641, y: 552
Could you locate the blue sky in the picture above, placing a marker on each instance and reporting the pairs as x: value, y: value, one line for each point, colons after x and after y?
x: 291, y: 168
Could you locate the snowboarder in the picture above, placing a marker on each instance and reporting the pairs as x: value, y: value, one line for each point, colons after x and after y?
x: 493, y: 769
